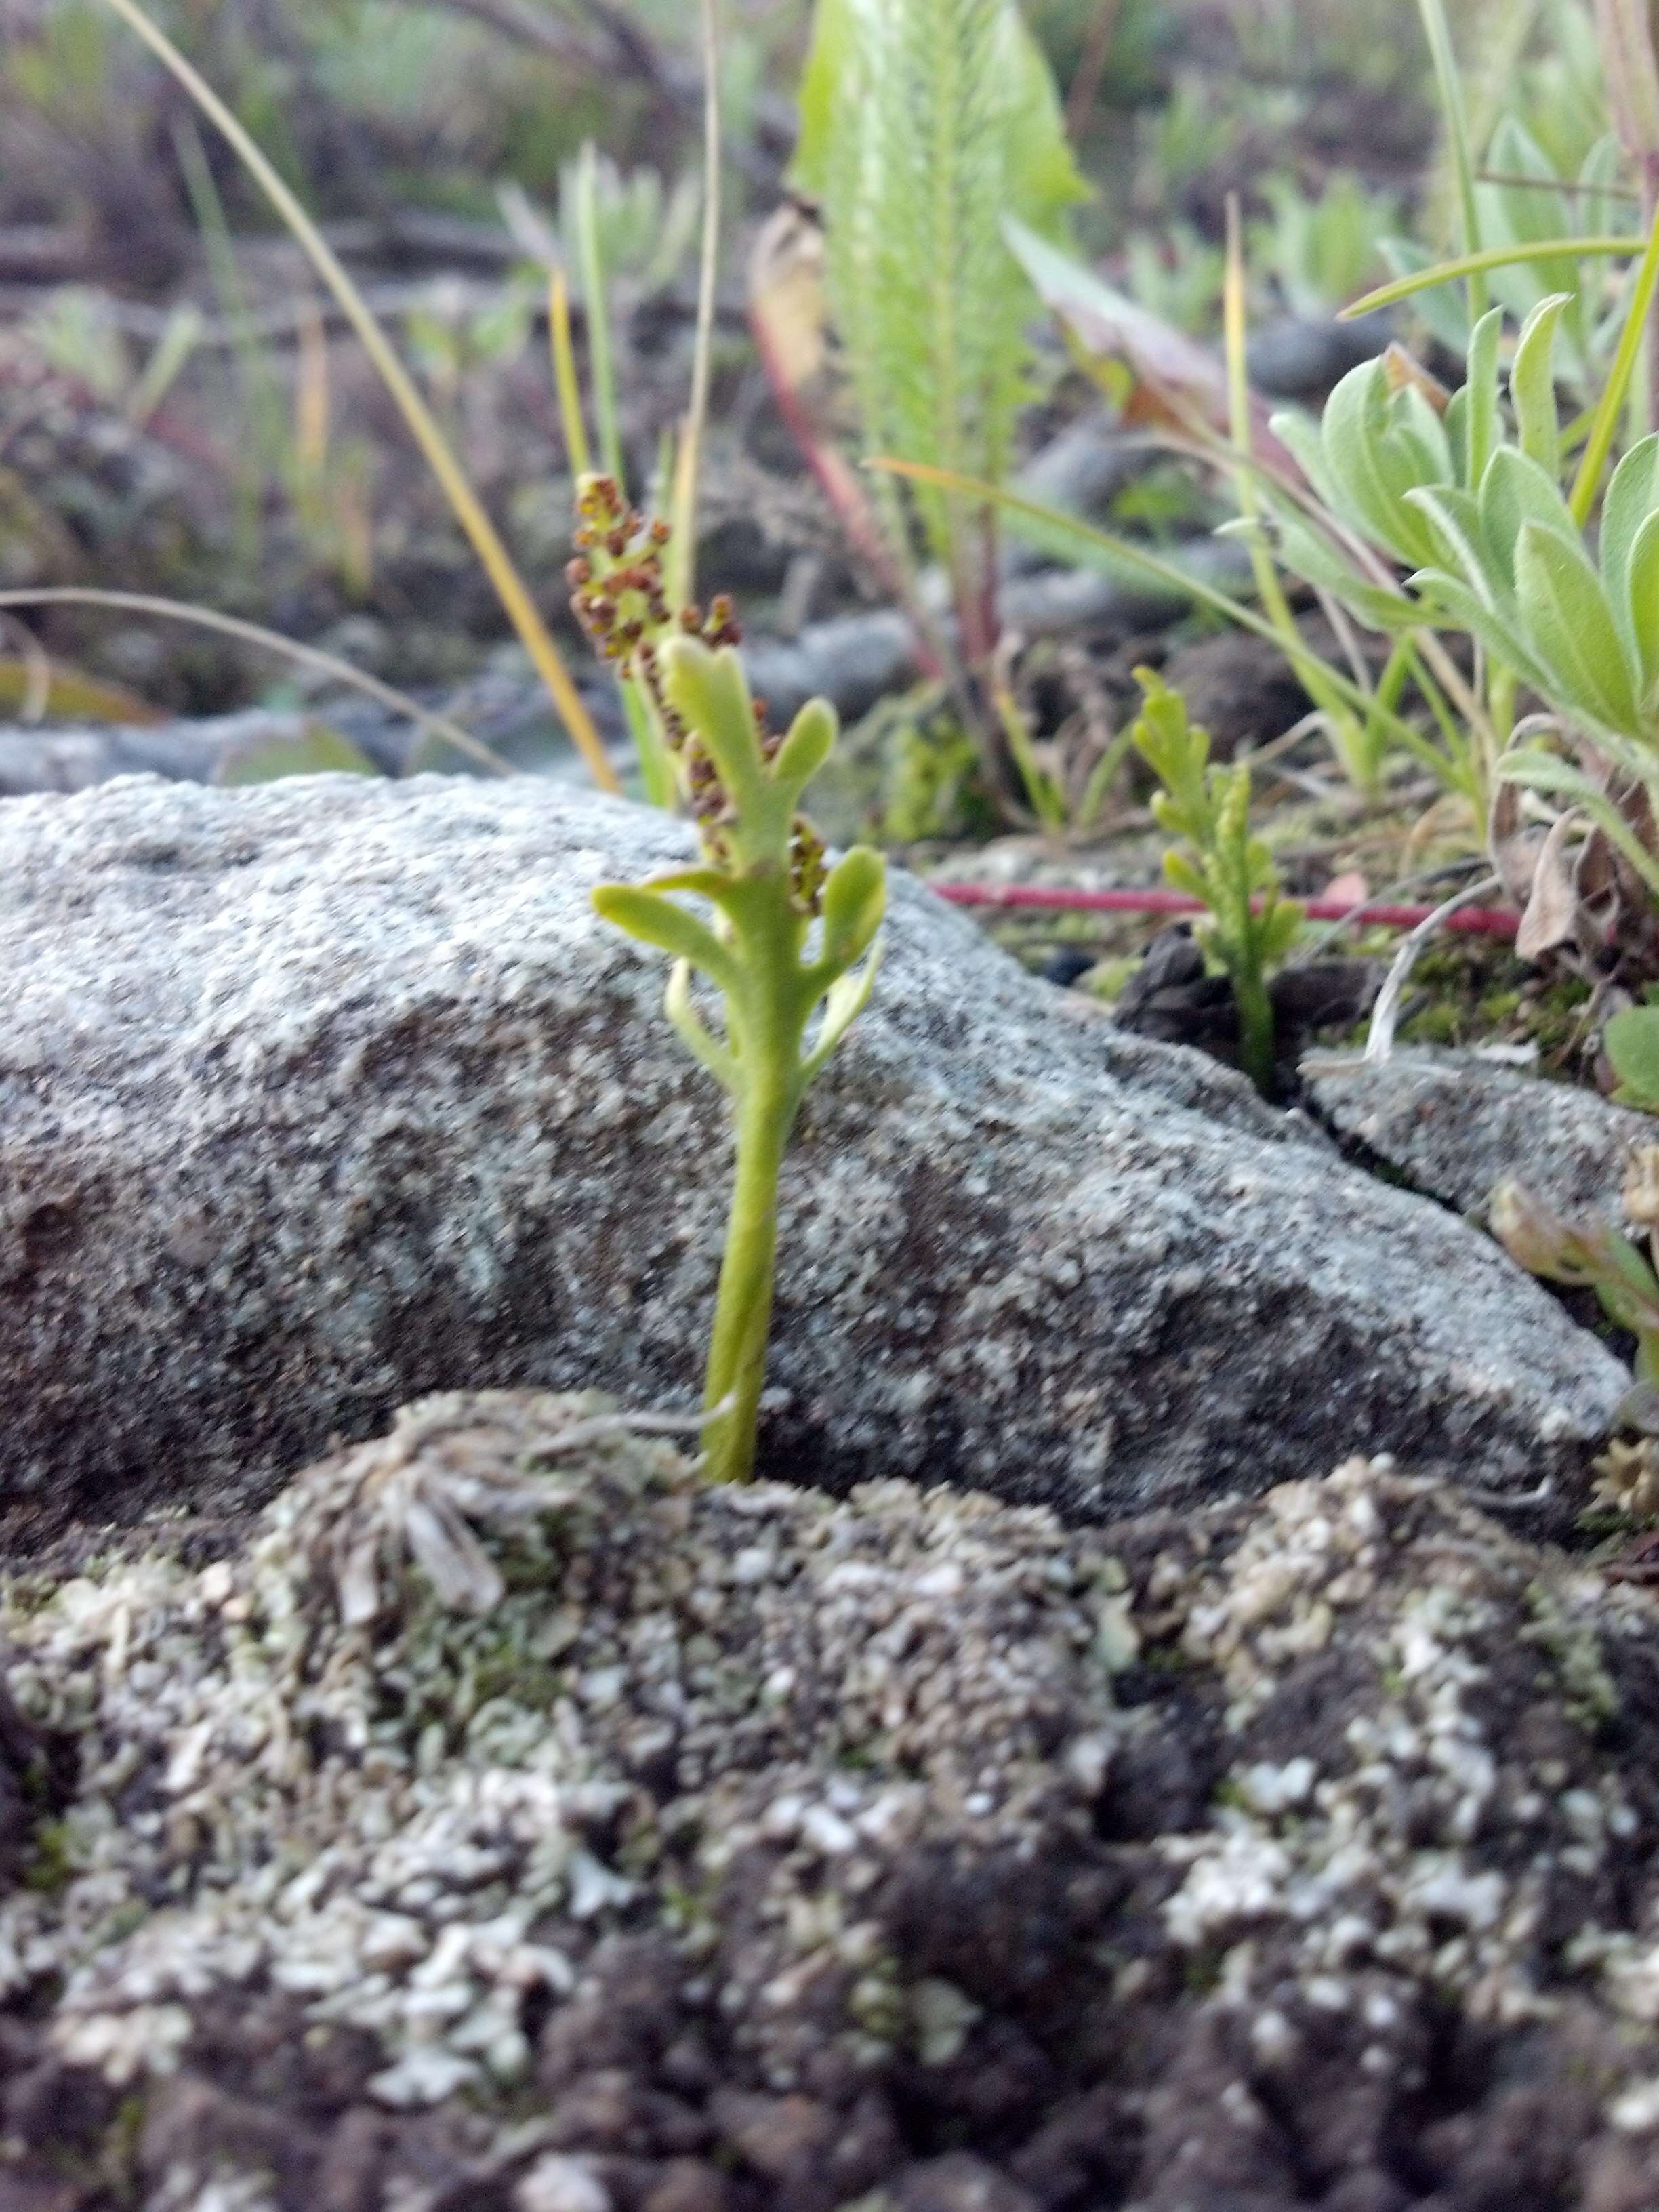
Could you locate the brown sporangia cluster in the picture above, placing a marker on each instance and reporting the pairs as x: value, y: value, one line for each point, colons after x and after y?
x: 618, y: 594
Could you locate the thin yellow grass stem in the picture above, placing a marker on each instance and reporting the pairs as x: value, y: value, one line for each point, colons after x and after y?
x: 596, y: 305
x: 516, y: 601
x: 306, y: 656
x: 566, y: 382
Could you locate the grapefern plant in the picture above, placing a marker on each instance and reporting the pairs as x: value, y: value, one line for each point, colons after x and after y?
x: 924, y: 124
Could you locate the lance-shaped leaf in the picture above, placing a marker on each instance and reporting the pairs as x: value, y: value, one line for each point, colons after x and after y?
x: 1632, y: 499
x: 1641, y: 602
x: 1482, y: 428
x: 707, y: 883
x: 1631, y: 1042
x: 1309, y: 554
x: 1416, y: 434
x: 658, y: 921
x: 1515, y: 489
x: 854, y: 899
x: 1543, y: 771
x: 1368, y: 492
x: 692, y: 1029
x: 1299, y: 435
x: 1453, y: 518
x: 1528, y: 208
x: 1450, y: 603
x: 710, y: 692
x: 1565, y: 617
x: 1532, y: 384
x: 845, y: 1002
x: 812, y: 739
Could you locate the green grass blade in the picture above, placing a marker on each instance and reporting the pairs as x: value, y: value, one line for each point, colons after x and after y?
x: 1605, y: 422
x: 1449, y: 86
x: 1121, y: 552
x: 1489, y: 258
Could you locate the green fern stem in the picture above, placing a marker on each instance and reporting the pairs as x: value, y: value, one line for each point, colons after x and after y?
x: 743, y: 1307
x: 763, y: 872
x: 1257, y: 1033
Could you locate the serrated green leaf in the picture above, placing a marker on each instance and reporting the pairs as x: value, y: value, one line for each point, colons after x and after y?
x: 1564, y: 614
x: 1044, y: 179
x: 924, y: 126
x: 1532, y: 384
x: 1177, y: 750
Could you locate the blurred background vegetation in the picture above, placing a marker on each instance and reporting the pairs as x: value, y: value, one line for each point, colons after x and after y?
x: 181, y: 410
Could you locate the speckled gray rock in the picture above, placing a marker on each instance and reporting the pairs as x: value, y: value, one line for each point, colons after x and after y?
x: 317, y: 1096
x: 1455, y: 1125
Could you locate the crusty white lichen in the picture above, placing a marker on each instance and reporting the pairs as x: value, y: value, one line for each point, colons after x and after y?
x: 1371, y: 1863
x: 511, y: 1677
x: 383, y: 1760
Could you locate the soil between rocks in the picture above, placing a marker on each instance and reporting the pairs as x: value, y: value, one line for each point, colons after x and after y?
x: 512, y: 1822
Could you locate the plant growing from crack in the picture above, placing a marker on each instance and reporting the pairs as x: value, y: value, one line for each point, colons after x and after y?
x: 1251, y: 925
x: 790, y: 939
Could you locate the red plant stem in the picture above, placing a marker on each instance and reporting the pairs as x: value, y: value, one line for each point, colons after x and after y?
x: 841, y: 488
x: 1477, y: 921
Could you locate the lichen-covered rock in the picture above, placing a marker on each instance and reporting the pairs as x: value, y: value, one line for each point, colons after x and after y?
x: 749, y: 1850
x: 317, y: 1096
x: 1456, y: 1126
